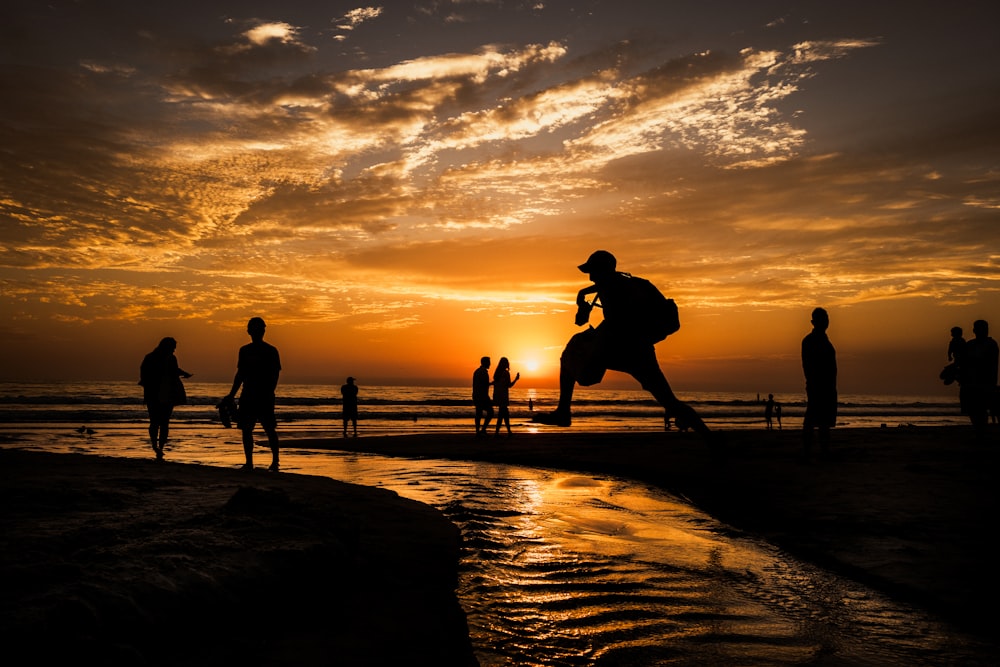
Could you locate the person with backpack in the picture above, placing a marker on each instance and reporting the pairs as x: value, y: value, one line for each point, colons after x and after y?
x: 636, y: 317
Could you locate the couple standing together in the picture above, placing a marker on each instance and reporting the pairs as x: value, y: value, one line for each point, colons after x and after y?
x: 257, y: 370
x: 502, y: 382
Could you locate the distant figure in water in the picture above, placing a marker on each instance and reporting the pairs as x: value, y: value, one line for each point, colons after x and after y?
x: 162, y: 389
x: 481, y: 396
x: 257, y: 370
x: 349, y: 392
x: 769, y: 411
x: 622, y: 342
x: 531, y: 405
x: 977, y: 374
x: 502, y: 384
x: 819, y: 364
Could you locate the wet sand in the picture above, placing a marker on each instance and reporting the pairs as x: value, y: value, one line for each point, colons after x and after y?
x: 132, y: 562
x: 908, y: 511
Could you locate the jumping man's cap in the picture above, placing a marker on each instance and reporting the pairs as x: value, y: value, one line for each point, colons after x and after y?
x: 599, y: 260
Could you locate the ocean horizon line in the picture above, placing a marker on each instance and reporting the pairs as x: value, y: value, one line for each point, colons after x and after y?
x: 395, y: 407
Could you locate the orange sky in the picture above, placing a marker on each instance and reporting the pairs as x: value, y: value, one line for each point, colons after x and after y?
x: 401, y: 189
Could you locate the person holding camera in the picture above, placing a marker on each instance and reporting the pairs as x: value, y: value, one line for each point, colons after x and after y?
x: 623, y: 341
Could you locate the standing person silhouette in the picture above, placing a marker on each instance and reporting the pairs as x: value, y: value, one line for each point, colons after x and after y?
x: 159, y: 375
x: 501, y: 392
x: 349, y: 392
x: 819, y: 365
x: 481, y: 396
x: 618, y: 343
x: 257, y: 370
x: 977, y: 374
x: 769, y: 411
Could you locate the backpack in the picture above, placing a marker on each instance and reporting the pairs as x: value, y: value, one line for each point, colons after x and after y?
x: 659, y: 317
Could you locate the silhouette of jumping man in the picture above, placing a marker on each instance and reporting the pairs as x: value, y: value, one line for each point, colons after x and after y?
x: 501, y: 393
x: 481, y: 396
x: 257, y: 370
x: 978, y: 376
x: 819, y: 364
x: 162, y: 389
x: 618, y: 343
x: 349, y: 392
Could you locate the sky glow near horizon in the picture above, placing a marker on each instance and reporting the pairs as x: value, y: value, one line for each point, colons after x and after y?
x: 400, y: 188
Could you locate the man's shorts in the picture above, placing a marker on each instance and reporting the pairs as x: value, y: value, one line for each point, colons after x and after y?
x: 591, y: 353
x: 821, y: 409
x: 254, y: 410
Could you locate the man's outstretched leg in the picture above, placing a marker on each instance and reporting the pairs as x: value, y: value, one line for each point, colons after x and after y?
x: 652, y: 380
x: 561, y: 416
x: 579, y: 362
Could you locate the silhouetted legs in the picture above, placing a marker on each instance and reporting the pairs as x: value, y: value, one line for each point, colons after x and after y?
x: 589, y: 354
x: 248, y: 445
x: 821, y: 415
x: 159, y: 426
x: 484, y: 414
x: 810, y: 434
x: 249, y: 416
x: 651, y: 378
x: 503, y: 419
x: 980, y: 404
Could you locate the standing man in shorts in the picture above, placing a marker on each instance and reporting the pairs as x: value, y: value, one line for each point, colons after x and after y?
x: 819, y: 365
x: 257, y: 371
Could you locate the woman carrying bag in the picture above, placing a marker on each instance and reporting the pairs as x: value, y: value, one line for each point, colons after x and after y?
x: 162, y: 389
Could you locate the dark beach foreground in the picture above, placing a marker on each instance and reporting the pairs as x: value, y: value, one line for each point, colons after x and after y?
x: 116, y: 561
x: 908, y: 511
x: 130, y: 562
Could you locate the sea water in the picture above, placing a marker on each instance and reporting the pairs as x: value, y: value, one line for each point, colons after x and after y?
x: 315, y: 409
